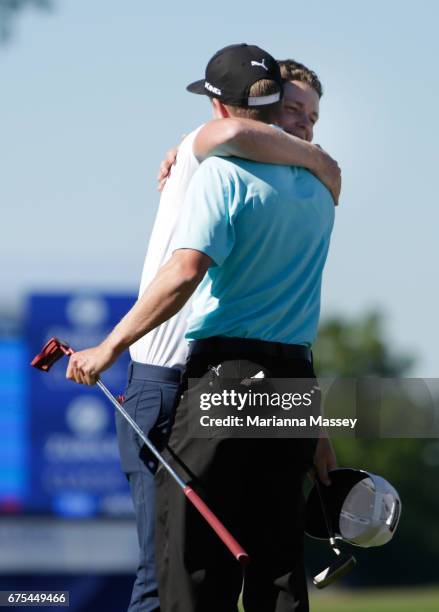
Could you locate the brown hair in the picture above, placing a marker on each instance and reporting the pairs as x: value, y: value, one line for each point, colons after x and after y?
x: 294, y: 71
x: 267, y: 113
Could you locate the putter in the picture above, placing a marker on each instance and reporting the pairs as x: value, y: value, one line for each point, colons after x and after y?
x: 52, y: 351
x: 343, y: 564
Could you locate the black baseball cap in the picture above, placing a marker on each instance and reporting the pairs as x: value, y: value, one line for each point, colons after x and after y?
x: 233, y: 70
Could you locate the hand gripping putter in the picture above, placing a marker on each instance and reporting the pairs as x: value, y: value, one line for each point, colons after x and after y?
x: 52, y: 351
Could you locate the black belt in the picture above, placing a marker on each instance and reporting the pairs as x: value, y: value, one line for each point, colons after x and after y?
x: 249, y: 346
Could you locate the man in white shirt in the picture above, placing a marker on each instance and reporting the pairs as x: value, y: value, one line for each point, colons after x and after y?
x: 159, y: 356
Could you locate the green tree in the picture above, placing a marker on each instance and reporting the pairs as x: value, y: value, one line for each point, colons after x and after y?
x: 9, y: 10
x: 357, y: 348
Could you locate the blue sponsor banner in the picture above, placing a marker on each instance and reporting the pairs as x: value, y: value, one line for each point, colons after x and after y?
x: 13, y: 426
x: 74, y: 461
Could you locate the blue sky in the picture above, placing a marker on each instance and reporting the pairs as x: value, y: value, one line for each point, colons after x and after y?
x: 93, y: 94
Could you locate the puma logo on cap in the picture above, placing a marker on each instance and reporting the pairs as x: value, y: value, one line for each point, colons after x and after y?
x: 262, y: 63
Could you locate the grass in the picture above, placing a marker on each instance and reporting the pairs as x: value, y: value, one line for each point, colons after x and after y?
x: 392, y: 600
x: 389, y: 600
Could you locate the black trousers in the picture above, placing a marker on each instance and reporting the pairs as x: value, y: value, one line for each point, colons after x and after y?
x: 255, y: 488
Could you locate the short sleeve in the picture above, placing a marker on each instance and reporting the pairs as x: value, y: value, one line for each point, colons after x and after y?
x: 205, y: 223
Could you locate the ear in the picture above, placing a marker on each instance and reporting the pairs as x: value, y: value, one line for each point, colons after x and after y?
x: 219, y: 110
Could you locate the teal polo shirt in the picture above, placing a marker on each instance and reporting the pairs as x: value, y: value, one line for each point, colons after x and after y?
x: 267, y: 230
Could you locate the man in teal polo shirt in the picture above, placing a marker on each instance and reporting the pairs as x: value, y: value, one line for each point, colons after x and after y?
x: 266, y: 230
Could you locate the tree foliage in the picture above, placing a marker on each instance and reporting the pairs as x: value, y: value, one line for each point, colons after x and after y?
x: 357, y: 348
x: 10, y: 9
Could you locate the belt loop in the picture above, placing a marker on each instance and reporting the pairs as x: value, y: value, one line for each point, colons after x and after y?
x: 130, y: 371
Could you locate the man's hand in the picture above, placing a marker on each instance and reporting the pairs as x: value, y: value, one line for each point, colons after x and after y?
x: 166, y: 167
x: 328, y: 171
x: 85, y: 366
x: 324, y: 460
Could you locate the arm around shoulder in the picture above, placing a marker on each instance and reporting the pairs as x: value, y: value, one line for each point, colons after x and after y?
x: 260, y: 142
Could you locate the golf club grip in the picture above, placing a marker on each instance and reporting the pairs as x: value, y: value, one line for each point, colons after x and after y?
x: 236, y: 549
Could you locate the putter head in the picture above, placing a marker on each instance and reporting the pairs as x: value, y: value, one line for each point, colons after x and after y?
x: 341, y: 566
x: 53, y: 350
